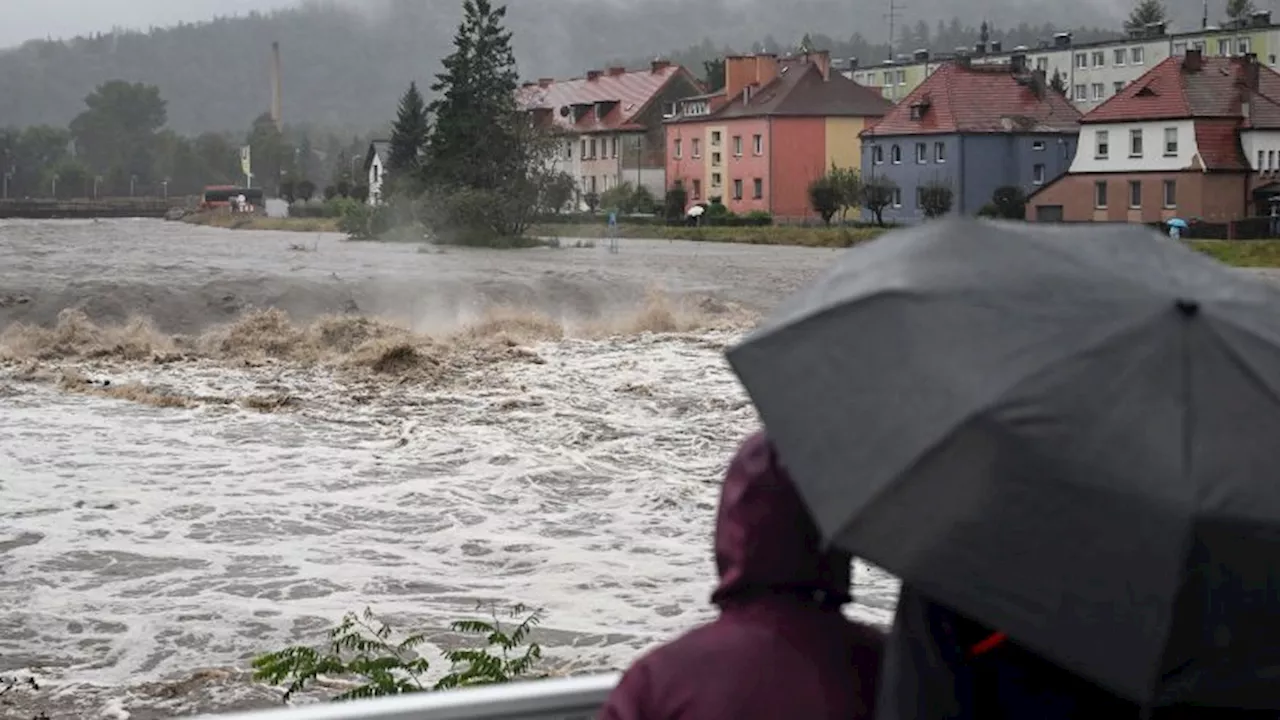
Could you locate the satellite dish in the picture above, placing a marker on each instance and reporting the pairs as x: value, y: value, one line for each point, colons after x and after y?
x: 564, y: 111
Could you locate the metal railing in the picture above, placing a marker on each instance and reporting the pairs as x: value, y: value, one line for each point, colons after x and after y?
x: 578, y: 698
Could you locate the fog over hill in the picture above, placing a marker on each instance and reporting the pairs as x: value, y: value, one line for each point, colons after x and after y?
x: 346, y: 61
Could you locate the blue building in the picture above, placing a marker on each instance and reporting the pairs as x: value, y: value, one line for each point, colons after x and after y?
x: 973, y: 128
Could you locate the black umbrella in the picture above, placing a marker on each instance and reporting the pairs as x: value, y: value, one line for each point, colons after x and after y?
x: 1069, y: 434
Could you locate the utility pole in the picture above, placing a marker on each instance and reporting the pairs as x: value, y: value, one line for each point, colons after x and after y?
x: 894, y: 11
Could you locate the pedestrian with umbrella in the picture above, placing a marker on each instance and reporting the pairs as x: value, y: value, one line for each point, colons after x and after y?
x: 1064, y: 434
x: 1177, y: 226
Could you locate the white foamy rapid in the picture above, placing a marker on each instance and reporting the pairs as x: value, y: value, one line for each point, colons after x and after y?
x: 141, y: 543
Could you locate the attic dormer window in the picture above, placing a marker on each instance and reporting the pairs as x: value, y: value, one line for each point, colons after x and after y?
x: 1146, y: 91
x: 918, y: 110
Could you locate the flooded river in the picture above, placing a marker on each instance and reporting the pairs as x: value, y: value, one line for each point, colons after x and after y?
x: 214, y: 443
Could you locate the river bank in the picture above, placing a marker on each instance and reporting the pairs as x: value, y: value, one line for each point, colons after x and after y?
x: 1248, y: 253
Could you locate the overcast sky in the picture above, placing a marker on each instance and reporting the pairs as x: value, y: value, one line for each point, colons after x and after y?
x: 22, y: 20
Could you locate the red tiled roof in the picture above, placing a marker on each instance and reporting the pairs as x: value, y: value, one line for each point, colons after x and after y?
x: 979, y: 99
x: 800, y: 91
x: 625, y: 94
x: 1171, y: 91
x: 1219, y: 144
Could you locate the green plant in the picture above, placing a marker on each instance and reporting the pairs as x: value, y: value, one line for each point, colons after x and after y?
x: 366, y: 649
x: 936, y: 199
x: 824, y: 198
x: 1010, y: 202
x: 877, y: 194
x: 592, y: 201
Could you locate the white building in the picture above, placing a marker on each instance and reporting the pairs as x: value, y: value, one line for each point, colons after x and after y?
x: 375, y: 164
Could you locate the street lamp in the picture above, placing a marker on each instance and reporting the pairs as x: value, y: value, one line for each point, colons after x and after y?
x: 54, y: 186
x: 97, y: 180
x: 7, y: 176
x: 133, y: 180
x: 165, y: 185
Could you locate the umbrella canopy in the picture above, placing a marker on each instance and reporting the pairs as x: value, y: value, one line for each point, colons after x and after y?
x: 1070, y: 434
x: 1177, y: 222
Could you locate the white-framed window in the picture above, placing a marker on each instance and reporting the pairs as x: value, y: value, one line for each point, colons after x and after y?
x: 1116, y: 87
x: 939, y: 152
x: 1171, y: 193
x: 1082, y: 92
x: 897, y: 197
x: 678, y: 149
x: 1259, y: 166
x: 737, y: 146
x: 716, y: 159
x: 757, y: 188
x: 715, y: 138
x: 613, y: 146
x: 1082, y: 60
x: 1101, y: 145
x: 1037, y: 174
x: 1042, y: 63
x: 1170, y: 141
x: 716, y: 180
x: 1100, y: 194
x: 1271, y: 159
x: 902, y: 77
x: 1121, y: 54
x: 737, y: 189
x: 922, y: 153
x: 758, y: 144
x: 1179, y: 48
x: 1136, y: 55
x: 696, y: 148
x: 877, y: 154
x: 1037, y: 145
x: 1099, y: 91
x: 1242, y: 46
x: 1099, y: 58
x: 1135, y: 143
x: 895, y: 154
x: 1135, y: 194
x: 1224, y: 47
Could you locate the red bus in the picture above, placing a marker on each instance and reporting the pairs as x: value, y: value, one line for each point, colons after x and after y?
x: 219, y: 196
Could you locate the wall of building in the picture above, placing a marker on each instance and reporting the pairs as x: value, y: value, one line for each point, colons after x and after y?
x: 376, y: 176
x: 909, y: 174
x: 844, y: 147
x: 1215, y: 197
x: 1154, y: 155
x: 1261, y: 149
x: 797, y: 149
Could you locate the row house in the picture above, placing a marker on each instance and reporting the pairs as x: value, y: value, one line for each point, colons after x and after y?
x: 1195, y: 137
x: 777, y: 125
x: 972, y: 128
x: 609, y: 123
x: 1089, y: 72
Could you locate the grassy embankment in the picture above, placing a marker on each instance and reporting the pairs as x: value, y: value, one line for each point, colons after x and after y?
x: 1253, y: 253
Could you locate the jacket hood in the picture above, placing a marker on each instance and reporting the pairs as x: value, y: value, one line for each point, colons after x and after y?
x: 766, y: 542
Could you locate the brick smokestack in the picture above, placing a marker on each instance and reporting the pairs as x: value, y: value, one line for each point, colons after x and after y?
x: 1193, y: 61
x: 276, y: 92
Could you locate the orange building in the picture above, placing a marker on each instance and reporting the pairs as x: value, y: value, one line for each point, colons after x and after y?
x: 777, y: 125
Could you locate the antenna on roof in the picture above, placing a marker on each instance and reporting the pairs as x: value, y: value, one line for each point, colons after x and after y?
x: 892, y: 15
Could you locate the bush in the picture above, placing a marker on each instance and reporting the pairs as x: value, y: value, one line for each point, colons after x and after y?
x: 369, y: 651
x: 1010, y: 202
x: 674, y: 202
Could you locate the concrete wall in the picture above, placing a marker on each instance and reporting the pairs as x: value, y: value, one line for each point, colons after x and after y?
x: 844, y: 147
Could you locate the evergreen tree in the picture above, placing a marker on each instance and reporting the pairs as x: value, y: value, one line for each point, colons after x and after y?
x: 1145, y: 12
x: 409, y: 137
x: 1238, y: 11
x: 476, y: 137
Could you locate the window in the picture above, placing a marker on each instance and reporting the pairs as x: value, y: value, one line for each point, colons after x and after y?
x: 759, y: 144
x: 697, y: 189
x: 737, y: 189
x: 715, y: 180
x: 1082, y: 92
x: 715, y: 159
x: 1099, y: 194
x: 902, y: 77
x: 1135, y: 56
x: 922, y: 153
x: 1242, y: 46
x: 613, y: 147
x: 1135, y: 143
x: 1037, y: 174
x: 1117, y: 86
x: 1037, y: 145
x: 1102, y: 145
x: 1120, y: 56
x: 1135, y: 193
x: 593, y: 148
x: 1042, y: 63
x: 696, y: 148
x: 1179, y: 48
x: 1224, y: 47
x: 919, y: 197
x: 1198, y: 45
x: 1081, y: 60
x: 1099, y: 58
x: 593, y: 184
x: 1170, y: 141
x: 1098, y: 91
x: 715, y: 138
x: 939, y: 152
x: 737, y: 146
x: 679, y: 148
x: 877, y: 154
x: 897, y: 197
x: 757, y: 188
x: 1259, y: 167
x: 1271, y: 159
x: 888, y: 77
x: 895, y: 154
x: 568, y: 149
x: 583, y: 154
x: 1170, y: 193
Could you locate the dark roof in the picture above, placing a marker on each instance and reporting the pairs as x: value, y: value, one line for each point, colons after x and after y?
x: 382, y: 148
x: 979, y: 99
x: 624, y: 95
x: 800, y: 91
x: 1172, y: 91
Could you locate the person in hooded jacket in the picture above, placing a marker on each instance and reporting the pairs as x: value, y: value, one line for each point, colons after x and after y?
x: 781, y: 647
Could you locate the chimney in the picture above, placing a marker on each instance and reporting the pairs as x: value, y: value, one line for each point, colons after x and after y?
x: 1039, y: 82
x: 1250, y: 71
x: 964, y: 61
x: 1193, y: 60
x: 980, y: 49
x: 743, y: 70
x: 1018, y: 63
x: 822, y: 60
x: 853, y: 63
x: 276, y: 93
x: 995, y: 47
x: 545, y: 82
x: 617, y: 70
x: 593, y: 75
x: 920, y: 56
x: 659, y: 65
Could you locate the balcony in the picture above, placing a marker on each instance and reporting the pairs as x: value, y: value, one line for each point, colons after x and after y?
x: 577, y: 698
